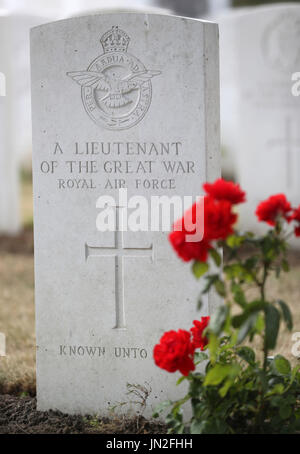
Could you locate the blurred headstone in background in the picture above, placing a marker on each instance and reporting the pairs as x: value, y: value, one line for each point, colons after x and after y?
x: 228, y: 93
x: 76, y: 7
x: 213, y: 10
x: 239, y: 3
x: 194, y: 8
x: 219, y: 6
x: 189, y: 8
x: 9, y: 200
x: 223, y: 13
x: 15, y: 125
x: 50, y: 8
x: 265, y: 42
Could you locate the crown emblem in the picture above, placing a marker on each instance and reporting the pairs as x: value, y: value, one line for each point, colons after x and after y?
x: 115, y: 40
x: 116, y: 88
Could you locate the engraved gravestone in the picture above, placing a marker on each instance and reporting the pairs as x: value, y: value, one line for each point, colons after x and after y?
x: 125, y: 108
x: 266, y: 45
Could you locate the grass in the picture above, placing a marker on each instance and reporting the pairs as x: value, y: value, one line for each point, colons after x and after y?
x: 26, y: 199
x: 17, y: 369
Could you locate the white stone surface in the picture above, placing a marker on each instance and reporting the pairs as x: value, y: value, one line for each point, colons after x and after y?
x: 267, y: 50
x: 229, y: 83
x: 19, y: 49
x: 9, y: 185
x: 15, y: 112
x: 77, y: 286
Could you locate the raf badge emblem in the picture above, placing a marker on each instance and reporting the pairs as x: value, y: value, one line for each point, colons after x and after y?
x: 116, y: 88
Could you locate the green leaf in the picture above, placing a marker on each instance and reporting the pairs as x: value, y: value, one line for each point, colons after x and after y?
x: 285, y: 266
x: 225, y: 388
x: 246, y: 328
x: 218, y: 319
x: 234, y: 241
x: 247, y: 354
x: 287, y: 315
x: 220, y: 287
x: 233, y: 271
x: 236, y: 270
x: 277, y: 390
x: 272, y: 319
x: 295, y: 372
x: 199, y: 304
x: 239, y: 296
x: 254, y: 306
x: 211, y: 279
x: 219, y: 372
x: 282, y: 365
x: 260, y: 323
x: 251, y: 262
x: 285, y: 411
x: 161, y: 407
x: 213, y: 346
x: 216, y: 257
x: 196, y: 427
x: 199, y: 357
x: 199, y: 269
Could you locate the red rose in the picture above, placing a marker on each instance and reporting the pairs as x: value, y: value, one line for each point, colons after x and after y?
x: 218, y: 218
x: 271, y: 209
x: 185, y: 227
x: 199, y: 340
x: 189, y: 251
x: 296, y: 217
x: 225, y: 190
x: 175, y: 352
x: 217, y: 223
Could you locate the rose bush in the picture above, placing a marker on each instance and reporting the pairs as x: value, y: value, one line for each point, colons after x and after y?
x: 237, y: 389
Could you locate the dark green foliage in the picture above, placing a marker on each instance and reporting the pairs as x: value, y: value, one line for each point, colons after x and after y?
x: 238, y: 391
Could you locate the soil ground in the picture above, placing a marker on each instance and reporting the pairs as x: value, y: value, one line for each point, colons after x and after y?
x: 19, y: 416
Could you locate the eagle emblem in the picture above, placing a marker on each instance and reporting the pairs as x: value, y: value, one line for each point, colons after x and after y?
x: 116, y: 87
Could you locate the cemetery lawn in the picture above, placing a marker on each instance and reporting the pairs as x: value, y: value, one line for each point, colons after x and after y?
x: 17, y: 369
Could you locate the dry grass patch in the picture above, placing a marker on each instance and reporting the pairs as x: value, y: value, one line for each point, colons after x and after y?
x: 17, y: 369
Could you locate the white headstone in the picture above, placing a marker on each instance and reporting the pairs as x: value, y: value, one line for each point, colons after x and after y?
x: 9, y: 180
x: 228, y: 95
x: 228, y: 88
x: 15, y: 113
x: 267, y: 49
x: 103, y: 299
x: 19, y: 50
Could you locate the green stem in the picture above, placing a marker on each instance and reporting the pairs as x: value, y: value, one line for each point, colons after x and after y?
x: 262, y: 292
x: 260, y: 415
